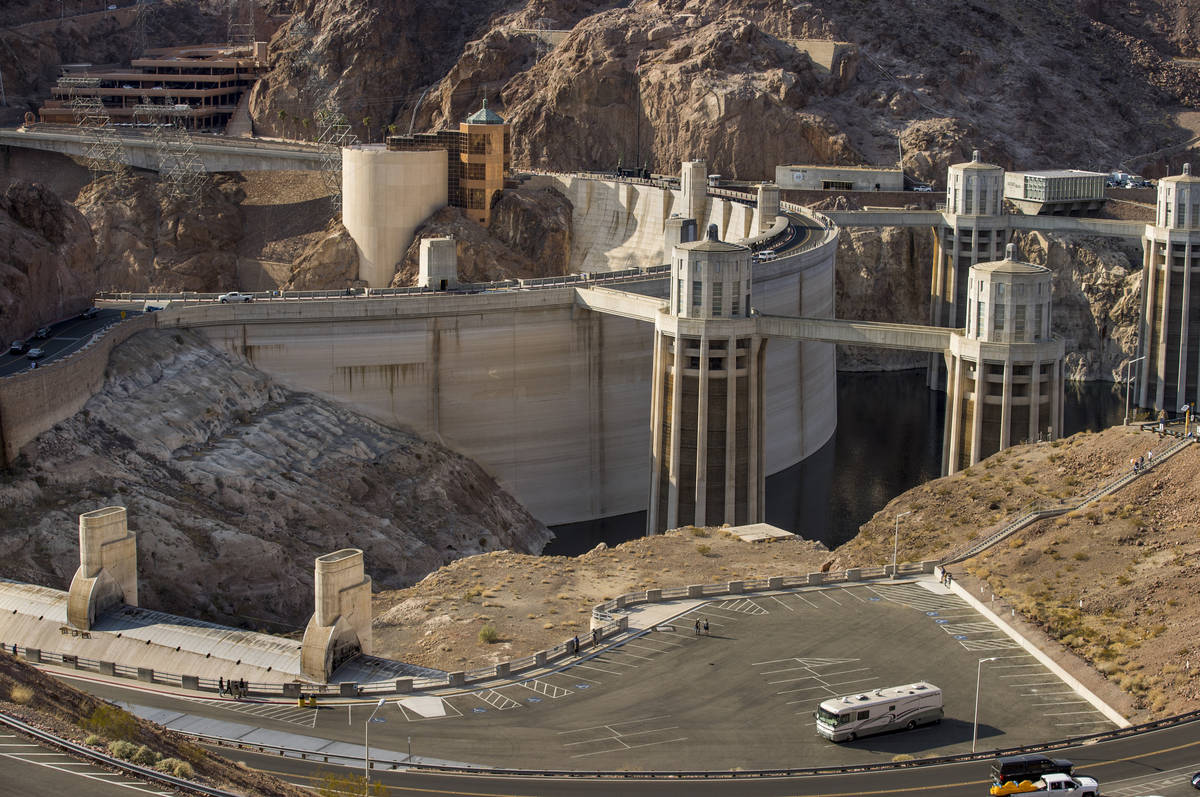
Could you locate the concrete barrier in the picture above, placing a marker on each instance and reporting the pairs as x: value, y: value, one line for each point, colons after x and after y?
x: 695, y: 590
x: 404, y: 684
x: 456, y: 679
x: 348, y: 689
x: 854, y: 574
x: 291, y: 690
x: 653, y: 595
x: 191, y: 682
x: 540, y: 658
x: 736, y: 587
x: 145, y: 674
x: 775, y: 582
x: 503, y: 669
x: 814, y: 578
x: 107, y: 668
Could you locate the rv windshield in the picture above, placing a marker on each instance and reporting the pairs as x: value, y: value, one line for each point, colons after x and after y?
x: 827, y: 717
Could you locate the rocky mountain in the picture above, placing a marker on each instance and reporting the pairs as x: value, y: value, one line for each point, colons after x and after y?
x: 46, y: 267
x: 235, y: 484
x: 1082, y: 84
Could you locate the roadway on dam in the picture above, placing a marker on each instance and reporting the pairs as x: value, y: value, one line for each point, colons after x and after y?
x: 739, y: 697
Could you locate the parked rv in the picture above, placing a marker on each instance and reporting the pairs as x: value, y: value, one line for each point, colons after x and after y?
x: 846, y: 718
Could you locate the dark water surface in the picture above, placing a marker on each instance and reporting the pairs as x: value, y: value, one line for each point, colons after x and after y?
x: 888, y: 440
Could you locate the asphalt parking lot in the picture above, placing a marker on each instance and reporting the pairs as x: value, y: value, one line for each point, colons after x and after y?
x: 741, y: 696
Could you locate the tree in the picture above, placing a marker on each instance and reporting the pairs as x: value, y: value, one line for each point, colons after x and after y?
x: 366, y: 121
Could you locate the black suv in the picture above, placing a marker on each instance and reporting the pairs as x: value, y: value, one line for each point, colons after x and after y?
x: 1030, y: 766
x: 18, y: 347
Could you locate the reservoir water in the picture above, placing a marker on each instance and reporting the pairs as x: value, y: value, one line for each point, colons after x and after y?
x: 888, y: 440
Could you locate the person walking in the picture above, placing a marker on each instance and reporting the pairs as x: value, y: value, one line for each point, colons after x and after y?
x: 221, y: 685
x: 706, y: 626
x: 697, y: 626
x: 575, y: 645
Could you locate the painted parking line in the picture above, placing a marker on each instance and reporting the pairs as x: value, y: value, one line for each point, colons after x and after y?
x: 622, y: 736
x: 101, y: 777
x: 800, y: 597
x: 781, y: 603
x: 830, y: 597
x: 598, y: 669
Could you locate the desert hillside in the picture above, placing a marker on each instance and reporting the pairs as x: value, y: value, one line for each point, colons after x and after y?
x: 235, y: 484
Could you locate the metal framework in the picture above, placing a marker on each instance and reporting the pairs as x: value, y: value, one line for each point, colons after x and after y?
x: 241, y: 22
x: 333, y: 134
x: 146, y: 11
x: 105, y: 152
x: 180, y: 168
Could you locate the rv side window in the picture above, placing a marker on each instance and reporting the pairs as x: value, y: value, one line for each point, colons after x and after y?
x: 862, y: 715
x: 891, y: 708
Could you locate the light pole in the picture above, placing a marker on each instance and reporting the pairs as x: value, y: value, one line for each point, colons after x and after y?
x: 1126, y: 369
x: 896, y: 541
x: 978, y: 677
x: 367, y: 747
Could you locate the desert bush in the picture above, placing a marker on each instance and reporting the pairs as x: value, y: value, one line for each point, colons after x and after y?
x: 337, y: 784
x: 1080, y: 556
x: 92, y: 740
x: 20, y: 694
x: 704, y: 550
x: 488, y: 635
x: 697, y: 532
x: 173, y: 766
x: 111, y: 722
x: 145, y: 756
x: 122, y: 749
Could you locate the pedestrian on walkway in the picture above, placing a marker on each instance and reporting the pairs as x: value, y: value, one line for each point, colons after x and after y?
x: 697, y: 626
x: 706, y: 626
x: 575, y: 645
x: 221, y: 685
x: 595, y: 637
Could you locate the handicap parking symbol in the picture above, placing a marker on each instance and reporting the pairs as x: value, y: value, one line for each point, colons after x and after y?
x: 583, y: 686
x: 941, y: 621
x: 479, y: 710
x: 959, y: 636
x: 533, y: 699
x: 931, y: 614
x: 874, y: 598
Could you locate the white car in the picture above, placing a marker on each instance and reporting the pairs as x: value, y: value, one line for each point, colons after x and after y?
x: 234, y: 296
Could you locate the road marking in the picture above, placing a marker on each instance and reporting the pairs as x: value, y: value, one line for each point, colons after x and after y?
x: 781, y: 603
x: 133, y: 786
x: 598, y: 669
x: 798, y: 596
x: 827, y: 595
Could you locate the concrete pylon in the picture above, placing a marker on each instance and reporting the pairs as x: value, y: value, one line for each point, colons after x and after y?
x: 438, y: 264
x: 693, y: 187
x: 107, y: 574
x: 768, y: 206
x: 340, y: 628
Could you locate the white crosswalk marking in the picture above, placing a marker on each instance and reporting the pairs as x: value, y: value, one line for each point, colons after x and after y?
x: 542, y: 688
x: 281, y: 712
x: 989, y: 644
x: 496, y: 700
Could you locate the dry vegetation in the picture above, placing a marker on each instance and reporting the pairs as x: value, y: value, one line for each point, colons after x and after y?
x: 51, y: 705
x: 1130, y: 558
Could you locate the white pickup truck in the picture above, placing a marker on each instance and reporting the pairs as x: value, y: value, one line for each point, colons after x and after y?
x: 1052, y: 783
x: 234, y: 296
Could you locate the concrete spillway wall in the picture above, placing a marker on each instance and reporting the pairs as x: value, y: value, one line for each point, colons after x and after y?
x: 550, y: 398
x: 618, y: 225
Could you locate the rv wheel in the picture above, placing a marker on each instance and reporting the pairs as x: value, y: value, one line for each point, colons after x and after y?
x: 852, y: 737
x: 911, y: 724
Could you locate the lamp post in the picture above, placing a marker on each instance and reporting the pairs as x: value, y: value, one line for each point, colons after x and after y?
x: 896, y: 541
x: 1126, y: 369
x: 367, y: 747
x: 978, y: 677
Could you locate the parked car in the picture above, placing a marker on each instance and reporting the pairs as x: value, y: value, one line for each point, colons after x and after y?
x: 91, y: 312
x: 234, y: 296
x: 42, y: 333
x: 923, y: 188
x: 1196, y: 781
x: 18, y: 346
x: 35, y: 354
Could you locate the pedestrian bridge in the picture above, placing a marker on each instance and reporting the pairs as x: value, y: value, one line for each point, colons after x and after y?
x: 899, y: 217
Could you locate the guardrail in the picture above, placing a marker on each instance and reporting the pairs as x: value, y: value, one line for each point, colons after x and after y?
x: 152, y: 775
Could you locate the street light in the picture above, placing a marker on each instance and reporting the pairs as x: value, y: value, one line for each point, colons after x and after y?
x: 1126, y: 369
x: 896, y: 541
x: 367, y: 747
x: 978, y: 676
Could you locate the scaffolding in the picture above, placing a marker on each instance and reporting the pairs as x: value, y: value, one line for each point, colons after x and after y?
x: 105, y: 151
x: 333, y: 134
x: 146, y: 12
x: 180, y: 168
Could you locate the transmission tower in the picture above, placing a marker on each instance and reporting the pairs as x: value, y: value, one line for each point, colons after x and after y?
x: 333, y: 134
x: 146, y: 11
x: 105, y: 152
x: 241, y: 22
x: 180, y: 169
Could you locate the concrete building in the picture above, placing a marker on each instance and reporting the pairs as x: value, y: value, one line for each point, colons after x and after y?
x: 438, y: 264
x: 479, y: 159
x: 386, y: 194
x: 1055, y: 192
x: 212, y: 79
x: 1170, y: 332
x: 973, y: 230
x: 107, y: 574
x: 1005, y: 374
x: 706, y: 461
x: 340, y: 628
x: 838, y: 178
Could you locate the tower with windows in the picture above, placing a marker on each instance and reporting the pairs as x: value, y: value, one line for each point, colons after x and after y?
x: 1004, y: 372
x: 707, y: 394
x: 1170, y: 330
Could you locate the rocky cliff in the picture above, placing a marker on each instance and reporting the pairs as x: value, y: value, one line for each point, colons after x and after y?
x: 234, y: 484
x: 45, y: 259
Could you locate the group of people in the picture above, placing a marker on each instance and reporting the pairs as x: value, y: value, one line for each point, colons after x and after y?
x: 1141, y: 463
x: 235, y: 689
x: 702, y: 624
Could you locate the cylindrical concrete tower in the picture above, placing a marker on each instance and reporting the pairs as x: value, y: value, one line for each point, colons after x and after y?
x: 693, y: 190
x: 973, y: 231
x: 386, y: 194
x: 706, y: 420
x: 1170, y: 334
x: 1005, y: 374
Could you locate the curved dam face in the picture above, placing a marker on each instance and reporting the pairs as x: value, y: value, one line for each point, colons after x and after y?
x: 551, y: 398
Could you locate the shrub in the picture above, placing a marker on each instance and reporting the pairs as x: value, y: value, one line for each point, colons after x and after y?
x: 92, y: 740
x: 111, y: 722
x: 1080, y: 556
x: 697, y: 532
x: 145, y: 756
x: 21, y: 694
x: 173, y: 766
x: 704, y: 550
x: 488, y: 635
x: 122, y: 749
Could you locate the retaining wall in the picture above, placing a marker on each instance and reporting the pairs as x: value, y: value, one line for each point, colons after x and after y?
x: 33, y: 401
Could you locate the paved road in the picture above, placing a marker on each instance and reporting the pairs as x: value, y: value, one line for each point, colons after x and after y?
x: 65, y: 337
x: 30, y: 770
